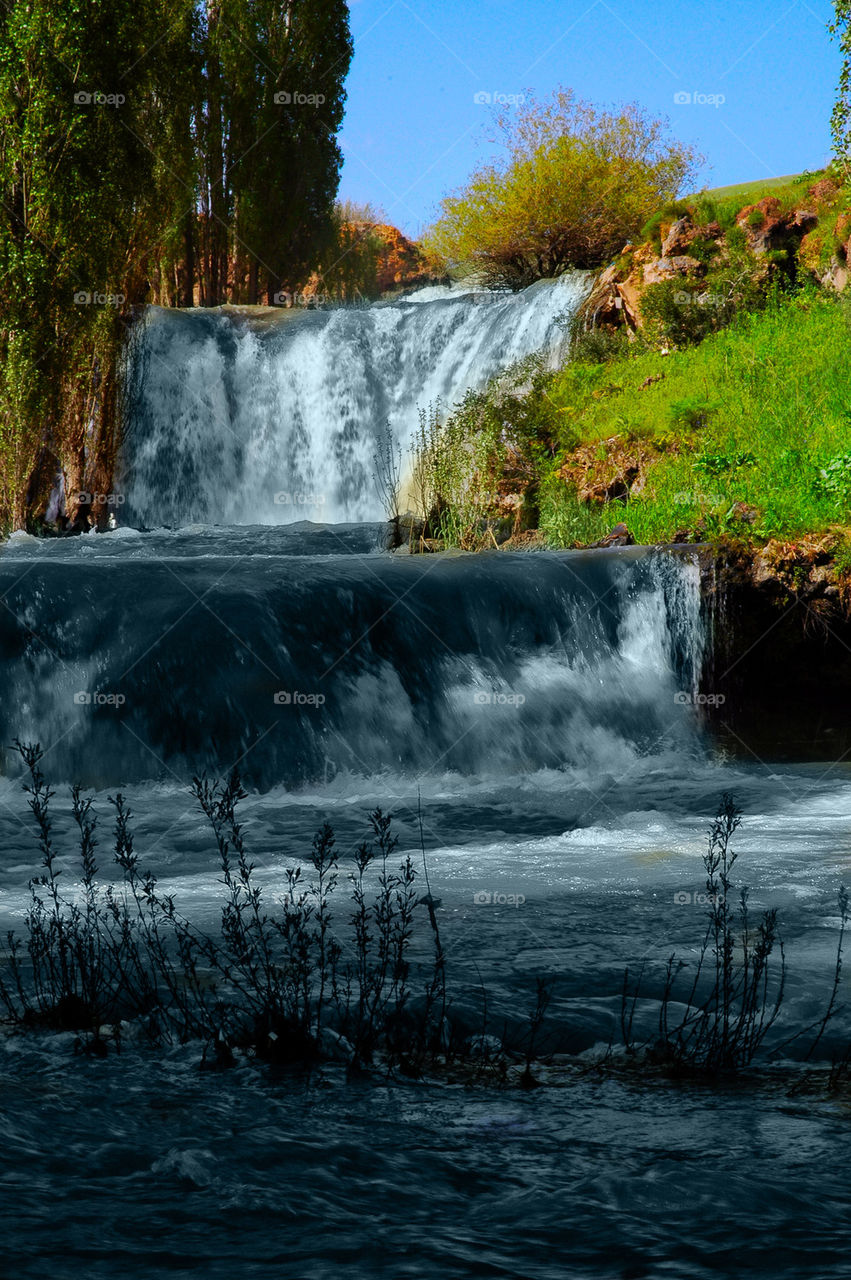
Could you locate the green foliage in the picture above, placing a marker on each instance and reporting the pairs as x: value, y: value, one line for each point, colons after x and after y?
x: 505, y: 432
x: 575, y: 184
x: 715, y: 464
x: 684, y: 312
x: 597, y: 346
x: 834, y: 480
x: 270, y: 103
x: 840, y: 120
x: 670, y: 212
x: 691, y: 413
x: 776, y: 382
x: 348, y: 268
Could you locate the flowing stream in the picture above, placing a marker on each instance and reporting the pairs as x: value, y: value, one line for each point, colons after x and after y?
x: 541, y: 711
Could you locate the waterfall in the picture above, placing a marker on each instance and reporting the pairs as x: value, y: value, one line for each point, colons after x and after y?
x: 275, y: 419
x: 323, y: 658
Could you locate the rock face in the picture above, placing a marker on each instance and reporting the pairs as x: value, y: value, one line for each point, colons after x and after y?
x: 669, y: 268
x: 780, y: 623
x: 400, y: 263
x: 767, y: 227
x: 687, y: 249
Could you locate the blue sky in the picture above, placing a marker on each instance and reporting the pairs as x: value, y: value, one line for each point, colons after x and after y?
x: 414, y: 130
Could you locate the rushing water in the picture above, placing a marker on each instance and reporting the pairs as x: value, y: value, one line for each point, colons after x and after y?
x: 540, y: 712
x: 537, y: 704
x: 265, y: 422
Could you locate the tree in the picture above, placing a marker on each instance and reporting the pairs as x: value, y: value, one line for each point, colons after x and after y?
x: 840, y: 120
x: 576, y: 182
x: 272, y: 102
x: 79, y: 98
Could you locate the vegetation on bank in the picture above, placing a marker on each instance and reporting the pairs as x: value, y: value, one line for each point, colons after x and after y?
x: 746, y: 433
x: 290, y: 980
x: 705, y: 397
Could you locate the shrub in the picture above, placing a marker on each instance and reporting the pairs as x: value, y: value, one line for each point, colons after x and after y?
x: 735, y: 993
x: 273, y: 981
x: 670, y: 212
x: 576, y: 183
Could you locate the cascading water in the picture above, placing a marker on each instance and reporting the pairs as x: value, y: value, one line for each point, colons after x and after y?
x: 316, y: 664
x: 276, y: 420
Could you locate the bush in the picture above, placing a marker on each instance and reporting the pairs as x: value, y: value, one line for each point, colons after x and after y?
x: 735, y: 993
x: 273, y: 983
x: 576, y: 183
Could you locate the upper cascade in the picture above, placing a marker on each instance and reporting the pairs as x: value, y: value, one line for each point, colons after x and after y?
x: 276, y: 417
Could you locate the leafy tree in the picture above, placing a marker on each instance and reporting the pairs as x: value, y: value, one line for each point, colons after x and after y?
x: 348, y: 270
x: 575, y: 183
x: 78, y: 95
x: 272, y: 103
x: 840, y: 120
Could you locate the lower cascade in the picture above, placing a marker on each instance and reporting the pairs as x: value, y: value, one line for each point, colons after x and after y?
x: 323, y: 656
x: 274, y: 419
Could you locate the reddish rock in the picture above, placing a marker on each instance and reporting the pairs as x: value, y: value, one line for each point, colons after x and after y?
x: 670, y: 269
x: 775, y: 230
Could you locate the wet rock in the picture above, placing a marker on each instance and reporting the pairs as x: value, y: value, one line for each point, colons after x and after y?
x: 335, y: 1047
x: 487, y: 1047
x: 619, y: 536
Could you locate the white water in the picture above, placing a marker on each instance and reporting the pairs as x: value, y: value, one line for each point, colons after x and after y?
x: 277, y: 420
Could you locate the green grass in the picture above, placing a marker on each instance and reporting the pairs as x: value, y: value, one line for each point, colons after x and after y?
x: 753, y: 415
x: 751, y: 192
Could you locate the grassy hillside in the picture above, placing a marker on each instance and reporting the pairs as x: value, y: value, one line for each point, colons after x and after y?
x: 750, y: 192
x: 749, y: 430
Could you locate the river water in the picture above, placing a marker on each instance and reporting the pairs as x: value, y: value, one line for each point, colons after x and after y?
x: 541, y: 711
x: 543, y: 708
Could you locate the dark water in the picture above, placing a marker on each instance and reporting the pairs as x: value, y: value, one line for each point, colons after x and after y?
x: 149, y: 1168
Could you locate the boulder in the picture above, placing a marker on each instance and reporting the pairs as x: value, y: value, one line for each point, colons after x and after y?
x: 670, y: 268
x: 619, y: 536
x: 680, y: 234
